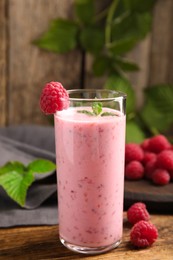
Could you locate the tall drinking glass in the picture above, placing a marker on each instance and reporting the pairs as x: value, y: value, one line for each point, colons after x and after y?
x: 90, y: 144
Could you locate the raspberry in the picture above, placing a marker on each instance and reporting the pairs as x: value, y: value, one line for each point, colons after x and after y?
x: 137, y: 212
x: 148, y: 156
x: 133, y: 152
x: 53, y: 98
x: 158, y: 143
x: 145, y: 144
x: 160, y: 177
x: 149, y: 168
x: 165, y: 160
x: 143, y: 234
x: 134, y: 171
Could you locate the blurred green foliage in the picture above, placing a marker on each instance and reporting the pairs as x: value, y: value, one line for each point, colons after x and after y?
x: 108, y: 35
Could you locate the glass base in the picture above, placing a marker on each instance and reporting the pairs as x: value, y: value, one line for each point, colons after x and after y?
x: 89, y: 250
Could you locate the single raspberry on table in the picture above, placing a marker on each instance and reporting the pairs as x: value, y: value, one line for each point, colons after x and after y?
x: 133, y: 152
x: 134, y: 170
x: 54, y: 97
x: 137, y: 212
x: 143, y: 234
x: 165, y: 160
x: 158, y: 143
x: 160, y: 177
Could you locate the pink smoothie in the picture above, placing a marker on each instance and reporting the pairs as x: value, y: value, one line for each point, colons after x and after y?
x: 90, y: 167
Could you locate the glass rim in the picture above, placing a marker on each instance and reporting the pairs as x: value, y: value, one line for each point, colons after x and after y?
x: 118, y: 95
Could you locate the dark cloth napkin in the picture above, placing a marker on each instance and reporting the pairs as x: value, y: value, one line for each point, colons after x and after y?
x: 24, y: 144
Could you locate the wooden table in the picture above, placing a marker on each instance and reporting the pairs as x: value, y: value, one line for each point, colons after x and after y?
x: 41, y: 242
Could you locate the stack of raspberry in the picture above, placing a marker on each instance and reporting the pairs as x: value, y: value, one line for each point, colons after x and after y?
x: 143, y: 233
x: 152, y: 160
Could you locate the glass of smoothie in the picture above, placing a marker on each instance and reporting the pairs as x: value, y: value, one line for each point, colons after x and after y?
x: 90, y: 151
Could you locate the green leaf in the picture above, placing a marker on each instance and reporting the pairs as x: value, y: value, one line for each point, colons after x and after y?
x: 12, y: 166
x: 92, y: 39
x: 108, y: 114
x: 139, y: 6
x: 41, y: 166
x: 111, y: 11
x: 97, y: 108
x: 84, y: 10
x: 16, y: 185
x: 100, y: 65
x: 134, y: 134
x: 128, y: 31
x: 131, y: 25
x: 122, y: 46
x: 121, y: 84
x: 86, y: 112
x: 157, y: 112
x: 126, y: 65
x: 61, y: 37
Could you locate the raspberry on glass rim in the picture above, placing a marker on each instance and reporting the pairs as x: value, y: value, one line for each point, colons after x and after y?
x: 54, y: 97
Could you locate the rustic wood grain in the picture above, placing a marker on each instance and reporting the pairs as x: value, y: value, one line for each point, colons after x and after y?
x: 3, y: 62
x: 42, y: 243
x: 29, y: 67
x: 161, y: 64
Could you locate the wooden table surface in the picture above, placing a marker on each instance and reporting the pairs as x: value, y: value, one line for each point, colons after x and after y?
x: 41, y: 242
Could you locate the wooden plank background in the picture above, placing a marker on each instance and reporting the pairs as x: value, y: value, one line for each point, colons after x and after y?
x: 24, y: 68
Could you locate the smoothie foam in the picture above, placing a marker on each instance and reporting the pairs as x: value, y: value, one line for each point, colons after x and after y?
x: 90, y: 171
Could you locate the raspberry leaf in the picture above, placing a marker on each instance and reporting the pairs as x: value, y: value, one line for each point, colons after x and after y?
x: 158, y: 107
x: 61, y: 36
x: 134, y: 134
x: 121, y: 84
x: 41, y: 166
x: 84, y: 10
x: 16, y: 185
x: 97, y: 36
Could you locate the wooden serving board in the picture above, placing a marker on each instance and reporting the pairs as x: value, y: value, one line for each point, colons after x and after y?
x: 157, y: 198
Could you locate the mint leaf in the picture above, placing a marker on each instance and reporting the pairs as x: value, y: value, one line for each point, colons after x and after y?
x: 41, y: 166
x: 16, y: 185
x: 61, y: 37
x: 16, y: 178
x: 86, y: 112
x: 108, y: 114
x: 97, y: 108
x: 12, y: 166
